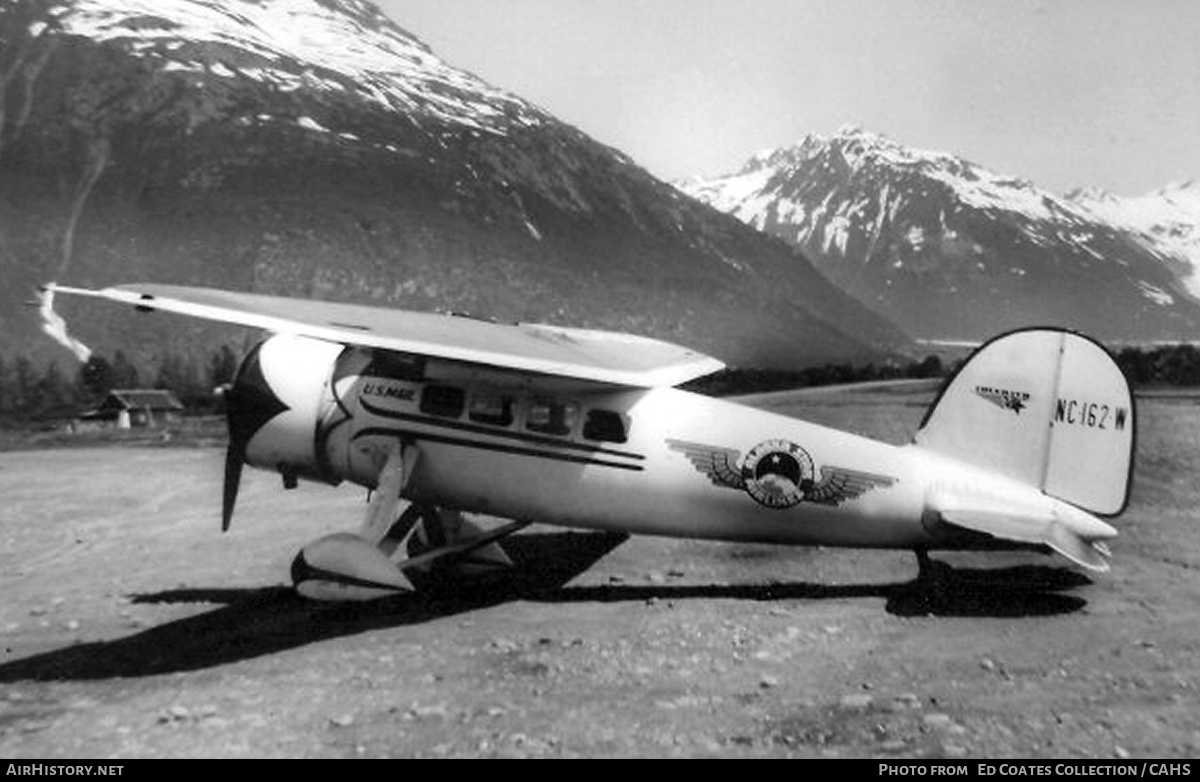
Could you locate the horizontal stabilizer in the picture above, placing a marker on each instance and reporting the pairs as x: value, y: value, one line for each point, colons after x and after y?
x: 1062, y: 532
x: 1074, y: 548
x: 1008, y: 526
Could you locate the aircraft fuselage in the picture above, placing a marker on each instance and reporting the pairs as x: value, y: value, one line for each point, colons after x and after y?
x: 657, y: 461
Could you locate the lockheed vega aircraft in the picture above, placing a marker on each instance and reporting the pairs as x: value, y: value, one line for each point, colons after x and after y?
x: 1027, y: 446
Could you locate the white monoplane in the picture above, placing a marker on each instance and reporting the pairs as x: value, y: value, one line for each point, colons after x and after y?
x: 1027, y: 445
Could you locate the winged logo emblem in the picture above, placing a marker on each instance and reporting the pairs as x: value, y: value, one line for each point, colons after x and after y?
x: 779, y: 473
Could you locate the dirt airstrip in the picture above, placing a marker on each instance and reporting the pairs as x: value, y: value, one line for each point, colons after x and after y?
x: 131, y: 627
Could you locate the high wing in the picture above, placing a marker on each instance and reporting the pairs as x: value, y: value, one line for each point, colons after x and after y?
x: 599, y: 356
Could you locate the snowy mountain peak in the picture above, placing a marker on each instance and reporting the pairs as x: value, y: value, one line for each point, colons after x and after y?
x: 1166, y: 221
x: 896, y: 225
x: 1185, y: 193
x: 1186, y: 185
x: 1091, y: 194
x: 334, y: 46
x: 874, y: 164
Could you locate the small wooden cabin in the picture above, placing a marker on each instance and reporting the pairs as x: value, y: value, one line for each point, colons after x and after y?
x: 126, y: 408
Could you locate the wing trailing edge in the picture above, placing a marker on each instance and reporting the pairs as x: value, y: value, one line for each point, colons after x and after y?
x: 598, y: 356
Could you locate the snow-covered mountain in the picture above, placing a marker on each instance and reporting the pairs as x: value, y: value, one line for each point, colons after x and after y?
x: 951, y: 250
x: 1167, y: 221
x: 315, y: 148
x: 346, y: 48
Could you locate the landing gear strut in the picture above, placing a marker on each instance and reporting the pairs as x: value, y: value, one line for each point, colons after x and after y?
x: 389, y: 547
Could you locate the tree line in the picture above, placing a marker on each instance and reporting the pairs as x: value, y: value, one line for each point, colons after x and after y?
x: 29, y: 392
x: 1164, y: 366
x: 732, y: 381
x: 47, y: 392
x: 1168, y: 365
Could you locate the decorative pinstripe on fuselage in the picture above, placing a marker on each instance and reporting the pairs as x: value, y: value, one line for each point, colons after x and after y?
x: 431, y: 428
x: 365, y: 404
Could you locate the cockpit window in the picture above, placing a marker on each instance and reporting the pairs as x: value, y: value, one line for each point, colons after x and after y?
x: 444, y: 401
x: 493, y: 409
x: 551, y: 417
x: 605, y: 426
x: 396, y: 366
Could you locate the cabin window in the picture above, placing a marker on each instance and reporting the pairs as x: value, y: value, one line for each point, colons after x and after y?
x: 605, y: 425
x: 444, y: 401
x: 396, y: 366
x: 550, y: 417
x: 493, y: 409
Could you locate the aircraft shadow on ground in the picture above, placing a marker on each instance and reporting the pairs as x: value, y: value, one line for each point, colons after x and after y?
x: 254, y: 622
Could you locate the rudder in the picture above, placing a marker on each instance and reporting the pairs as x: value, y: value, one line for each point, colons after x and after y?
x: 1046, y: 407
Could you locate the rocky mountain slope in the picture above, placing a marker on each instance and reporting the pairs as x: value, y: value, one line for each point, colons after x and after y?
x: 1167, y: 221
x: 951, y: 250
x: 315, y: 148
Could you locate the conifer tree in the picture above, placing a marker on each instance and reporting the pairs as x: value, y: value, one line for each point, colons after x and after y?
x: 94, y: 380
x: 124, y: 373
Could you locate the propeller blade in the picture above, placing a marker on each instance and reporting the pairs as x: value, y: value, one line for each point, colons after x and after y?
x: 250, y: 403
x: 234, y: 459
x: 235, y: 455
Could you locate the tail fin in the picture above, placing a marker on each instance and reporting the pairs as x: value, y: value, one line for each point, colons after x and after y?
x: 1047, y: 407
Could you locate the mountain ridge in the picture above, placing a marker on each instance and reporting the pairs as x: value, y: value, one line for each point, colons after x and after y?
x: 1167, y: 220
x: 314, y: 148
x: 951, y: 250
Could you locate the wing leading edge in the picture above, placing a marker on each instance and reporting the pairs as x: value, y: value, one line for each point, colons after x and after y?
x: 599, y: 356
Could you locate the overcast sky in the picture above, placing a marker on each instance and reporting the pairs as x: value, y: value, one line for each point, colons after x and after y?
x: 1066, y: 93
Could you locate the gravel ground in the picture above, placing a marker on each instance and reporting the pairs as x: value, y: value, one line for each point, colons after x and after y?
x: 132, y: 628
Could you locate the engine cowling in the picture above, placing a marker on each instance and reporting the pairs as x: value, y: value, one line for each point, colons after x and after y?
x: 277, y: 402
